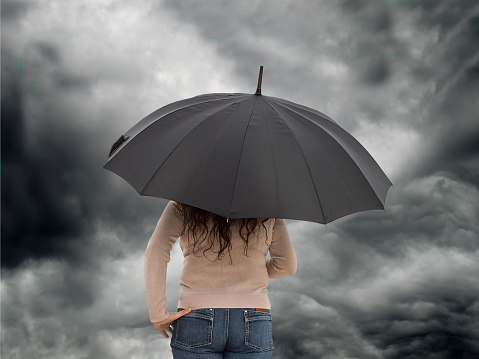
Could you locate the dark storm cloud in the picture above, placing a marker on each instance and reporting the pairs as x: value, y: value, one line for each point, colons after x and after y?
x: 459, y: 156
x: 424, y: 323
x: 409, y: 287
x: 68, y: 81
x: 316, y: 331
x: 13, y: 9
x: 367, y: 53
x: 258, y: 33
x: 361, y: 33
x: 426, y: 242
x: 53, y: 189
x: 454, y: 145
x: 299, y: 27
x: 376, y: 19
x: 48, y: 51
x: 33, y: 217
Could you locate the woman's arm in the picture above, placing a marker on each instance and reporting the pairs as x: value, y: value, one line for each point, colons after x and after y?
x: 283, y: 259
x: 157, y: 257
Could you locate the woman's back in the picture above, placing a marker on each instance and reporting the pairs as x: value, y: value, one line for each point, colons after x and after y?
x: 236, y: 280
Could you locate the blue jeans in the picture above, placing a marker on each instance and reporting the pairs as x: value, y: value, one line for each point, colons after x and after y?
x: 230, y: 333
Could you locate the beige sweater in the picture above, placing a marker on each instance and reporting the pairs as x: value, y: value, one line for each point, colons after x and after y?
x: 207, y: 282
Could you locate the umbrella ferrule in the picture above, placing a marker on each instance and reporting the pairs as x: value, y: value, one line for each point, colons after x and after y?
x: 260, y: 79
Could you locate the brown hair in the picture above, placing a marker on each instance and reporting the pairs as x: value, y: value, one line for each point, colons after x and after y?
x: 195, y: 221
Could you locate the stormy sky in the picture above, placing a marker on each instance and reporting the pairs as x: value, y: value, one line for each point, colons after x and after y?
x: 401, y: 76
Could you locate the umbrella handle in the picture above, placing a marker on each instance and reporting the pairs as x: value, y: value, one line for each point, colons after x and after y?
x: 260, y: 78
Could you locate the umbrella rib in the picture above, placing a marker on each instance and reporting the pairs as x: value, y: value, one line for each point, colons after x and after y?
x: 280, y: 113
x: 241, y: 153
x: 380, y: 198
x: 274, y: 163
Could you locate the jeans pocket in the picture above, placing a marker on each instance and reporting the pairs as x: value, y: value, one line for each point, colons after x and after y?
x: 259, y: 334
x: 194, y: 329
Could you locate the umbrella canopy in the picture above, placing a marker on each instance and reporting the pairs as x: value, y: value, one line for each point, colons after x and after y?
x: 250, y: 156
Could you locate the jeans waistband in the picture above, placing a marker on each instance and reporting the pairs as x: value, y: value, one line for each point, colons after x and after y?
x: 257, y: 309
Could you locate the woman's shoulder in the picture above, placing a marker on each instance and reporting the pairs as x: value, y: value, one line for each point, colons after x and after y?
x: 172, y: 211
x: 170, y: 208
x: 173, y: 204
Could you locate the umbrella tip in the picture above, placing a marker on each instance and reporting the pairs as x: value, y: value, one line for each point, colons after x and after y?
x: 117, y: 144
x: 260, y: 78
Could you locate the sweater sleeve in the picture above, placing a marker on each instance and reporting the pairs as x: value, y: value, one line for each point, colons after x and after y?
x: 283, y: 259
x: 157, y: 257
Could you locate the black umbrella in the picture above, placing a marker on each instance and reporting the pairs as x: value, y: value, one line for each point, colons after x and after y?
x: 250, y: 156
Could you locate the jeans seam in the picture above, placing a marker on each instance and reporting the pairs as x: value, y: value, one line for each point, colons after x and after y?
x: 227, y: 325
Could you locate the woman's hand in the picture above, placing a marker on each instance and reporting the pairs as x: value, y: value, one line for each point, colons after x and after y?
x: 165, y: 324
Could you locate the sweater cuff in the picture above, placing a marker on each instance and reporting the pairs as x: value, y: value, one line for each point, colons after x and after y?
x: 160, y: 320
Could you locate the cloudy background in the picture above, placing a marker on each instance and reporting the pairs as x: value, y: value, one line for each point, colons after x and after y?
x: 401, y: 76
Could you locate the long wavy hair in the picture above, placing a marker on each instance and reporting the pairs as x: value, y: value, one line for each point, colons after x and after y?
x: 196, y: 220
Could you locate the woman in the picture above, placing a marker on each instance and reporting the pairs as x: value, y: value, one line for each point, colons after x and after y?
x: 224, y: 309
